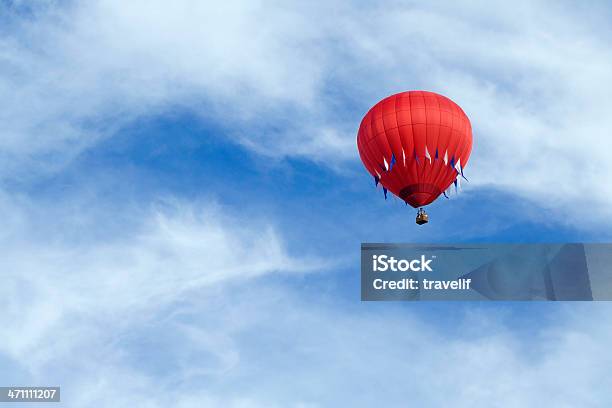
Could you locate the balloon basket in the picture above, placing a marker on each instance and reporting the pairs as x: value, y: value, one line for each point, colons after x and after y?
x: 422, y: 217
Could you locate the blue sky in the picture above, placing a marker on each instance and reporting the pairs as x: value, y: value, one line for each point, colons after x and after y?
x: 183, y: 202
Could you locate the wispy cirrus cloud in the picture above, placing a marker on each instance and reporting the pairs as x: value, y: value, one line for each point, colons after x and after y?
x: 176, y: 304
x: 249, y: 344
x: 288, y: 79
x: 71, y: 276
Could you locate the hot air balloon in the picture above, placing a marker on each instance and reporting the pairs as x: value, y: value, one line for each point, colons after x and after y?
x: 416, y: 145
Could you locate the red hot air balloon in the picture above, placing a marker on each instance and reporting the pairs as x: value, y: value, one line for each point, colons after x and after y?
x: 416, y: 145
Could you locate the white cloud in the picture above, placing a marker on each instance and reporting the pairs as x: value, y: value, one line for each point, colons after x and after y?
x: 73, y: 73
x: 253, y: 345
x: 180, y: 307
x: 64, y: 281
x: 166, y: 306
x: 294, y: 79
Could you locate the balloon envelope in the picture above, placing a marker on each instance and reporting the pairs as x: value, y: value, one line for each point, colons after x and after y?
x: 415, y: 144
